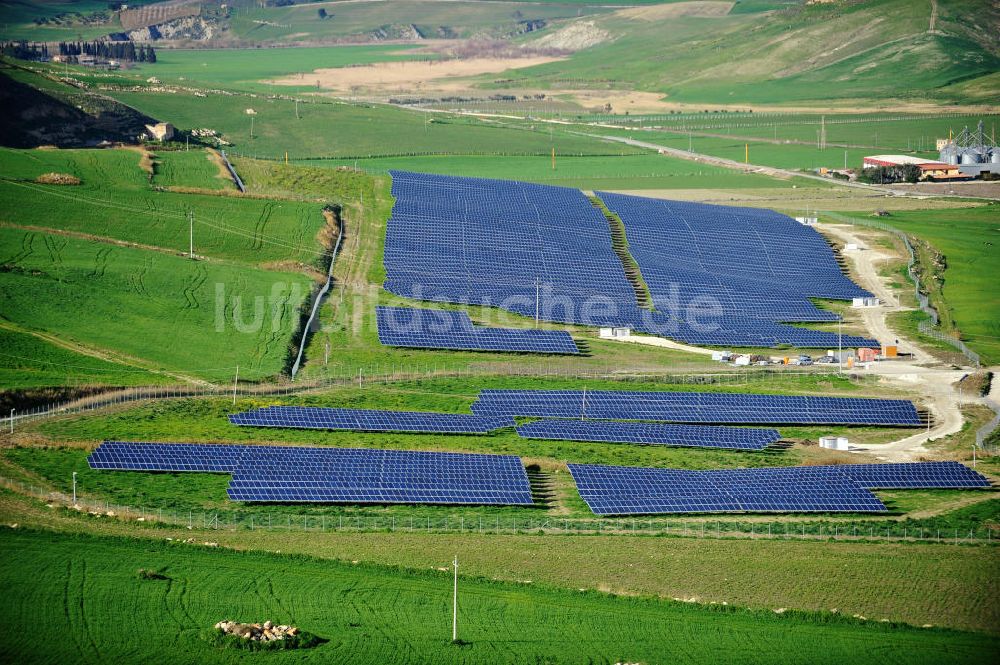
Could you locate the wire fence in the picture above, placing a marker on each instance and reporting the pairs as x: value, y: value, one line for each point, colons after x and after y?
x: 984, y: 432
x: 286, y: 522
x: 388, y: 374
x: 929, y: 329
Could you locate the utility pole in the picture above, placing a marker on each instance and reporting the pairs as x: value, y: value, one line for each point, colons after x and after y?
x: 840, y: 344
x: 74, y: 487
x: 583, y: 410
x: 326, y: 354
x: 12, y: 420
x: 236, y: 382
x: 251, y: 127
x: 297, y: 109
x: 454, y: 605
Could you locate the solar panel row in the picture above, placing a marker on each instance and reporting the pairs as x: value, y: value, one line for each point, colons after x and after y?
x: 438, y: 329
x: 616, y: 490
x: 539, y: 249
x: 367, y: 420
x: 298, y: 474
x: 209, y: 458
x: 696, y: 407
x: 698, y: 436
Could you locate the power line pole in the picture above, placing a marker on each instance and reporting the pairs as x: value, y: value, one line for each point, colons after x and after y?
x: 74, y: 487
x: 840, y: 345
x: 454, y: 605
x: 236, y: 382
x: 191, y: 234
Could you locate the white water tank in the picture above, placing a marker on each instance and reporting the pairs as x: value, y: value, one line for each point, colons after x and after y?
x: 970, y: 157
x: 834, y: 442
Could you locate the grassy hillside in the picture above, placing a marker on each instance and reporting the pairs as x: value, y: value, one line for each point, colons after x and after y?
x: 113, y: 248
x: 301, y: 23
x: 371, y: 613
x: 115, y: 200
x: 37, y: 110
x: 43, y: 20
x: 29, y: 362
x: 165, y: 309
x: 829, y: 52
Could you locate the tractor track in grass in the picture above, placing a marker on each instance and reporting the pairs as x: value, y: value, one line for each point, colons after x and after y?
x: 100, y: 354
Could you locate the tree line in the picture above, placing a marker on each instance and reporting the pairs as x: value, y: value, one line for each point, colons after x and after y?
x: 109, y: 50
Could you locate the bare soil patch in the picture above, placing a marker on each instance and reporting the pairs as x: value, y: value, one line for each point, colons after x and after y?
x: 704, y: 9
x: 404, y: 76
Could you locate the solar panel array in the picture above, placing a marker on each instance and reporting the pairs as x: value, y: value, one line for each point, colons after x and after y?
x: 380, y: 476
x: 695, y: 436
x: 617, y: 490
x: 368, y: 420
x: 205, y: 458
x: 518, y: 245
x: 696, y: 407
x: 753, y: 261
x: 439, y: 329
x: 299, y: 474
x: 909, y: 475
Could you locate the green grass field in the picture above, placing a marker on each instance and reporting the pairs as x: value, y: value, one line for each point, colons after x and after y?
x: 370, y: 613
x: 166, y: 310
x: 647, y: 171
x: 332, y: 129
x: 27, y: 361
x: 180, y: 168
x: 247, y: 69
x: 115, y: 201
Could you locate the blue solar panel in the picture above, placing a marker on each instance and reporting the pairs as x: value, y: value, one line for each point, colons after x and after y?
x: 366, y: 420
x: 695, y: 407
x: 437, y: 329
x: 380, y: 476
x: 127, y: 456
x: 698, y: 436
x: 520, y: 246
x: 616, y: 490
x: 778, y: 265
x: 299, y: 474
x: 911, y: 475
